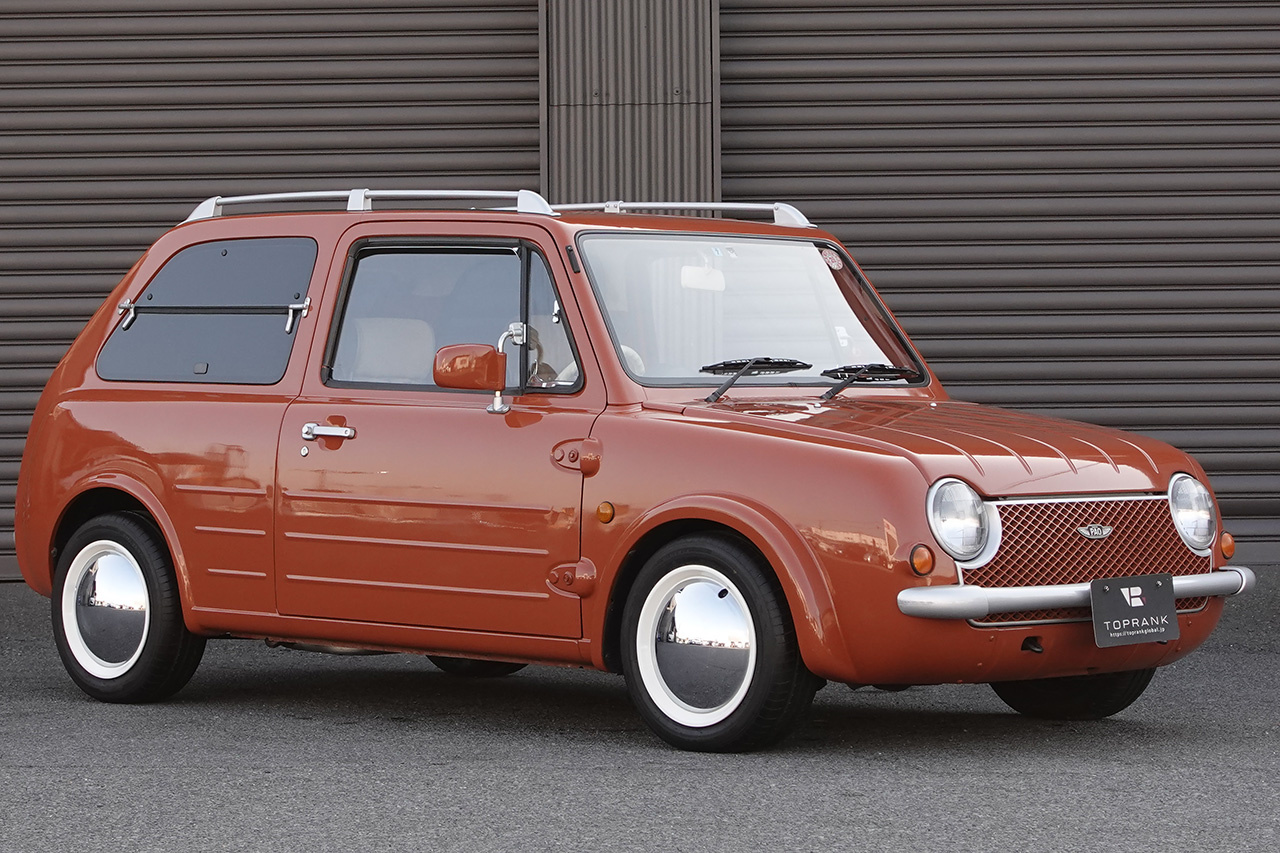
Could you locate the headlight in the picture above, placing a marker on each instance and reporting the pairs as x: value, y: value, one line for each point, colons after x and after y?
x: 959, y: 519
x: 1193, y: 514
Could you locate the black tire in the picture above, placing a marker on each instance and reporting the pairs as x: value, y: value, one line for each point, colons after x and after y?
x: 746, y: 698
x: 117, y: 618
x: 1078, y: 697
x: 471, y: 668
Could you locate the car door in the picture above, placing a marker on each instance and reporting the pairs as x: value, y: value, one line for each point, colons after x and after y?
x: 402, y: 502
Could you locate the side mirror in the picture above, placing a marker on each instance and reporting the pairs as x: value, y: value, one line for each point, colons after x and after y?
x: 470, y: 367
x: 473, y: 367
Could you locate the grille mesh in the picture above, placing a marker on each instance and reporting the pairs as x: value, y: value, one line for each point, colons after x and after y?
x: 1041, y: 545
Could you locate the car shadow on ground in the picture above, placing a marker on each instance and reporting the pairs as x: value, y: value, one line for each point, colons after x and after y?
x: 245, y: 686
x: 402, y: 690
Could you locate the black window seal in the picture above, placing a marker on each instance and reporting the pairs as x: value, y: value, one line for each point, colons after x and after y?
x: 908, y: 346
x: 294, y: 311
x: 369, y: 245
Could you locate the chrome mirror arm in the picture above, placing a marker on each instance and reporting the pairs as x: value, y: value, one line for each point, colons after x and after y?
x: 499, y: 406
x: 517, y: 334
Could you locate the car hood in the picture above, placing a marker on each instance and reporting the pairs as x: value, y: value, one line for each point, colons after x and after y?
x: 1001, y: 452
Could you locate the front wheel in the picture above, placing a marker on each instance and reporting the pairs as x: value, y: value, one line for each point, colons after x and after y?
x: 710, y: 652
x: 1077, y: 697
x: 117, y: 619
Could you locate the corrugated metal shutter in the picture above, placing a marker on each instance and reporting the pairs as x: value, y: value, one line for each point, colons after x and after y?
x: 116, y: 118
x: 1074, y: 208
x: 632, y: 100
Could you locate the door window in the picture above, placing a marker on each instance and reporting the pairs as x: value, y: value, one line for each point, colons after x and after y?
x: 404, y: 303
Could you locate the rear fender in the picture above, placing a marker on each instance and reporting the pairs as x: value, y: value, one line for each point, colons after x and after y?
x: 140, y: 492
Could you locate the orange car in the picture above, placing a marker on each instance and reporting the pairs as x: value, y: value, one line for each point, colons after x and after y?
x: 696, y: 451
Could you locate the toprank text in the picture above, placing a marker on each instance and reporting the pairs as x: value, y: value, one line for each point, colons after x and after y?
x: 1130, y: 624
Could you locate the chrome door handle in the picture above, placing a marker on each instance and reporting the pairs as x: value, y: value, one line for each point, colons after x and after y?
x: 310, y: 432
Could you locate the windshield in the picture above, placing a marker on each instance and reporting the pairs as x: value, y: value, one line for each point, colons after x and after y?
x: 681, y: 306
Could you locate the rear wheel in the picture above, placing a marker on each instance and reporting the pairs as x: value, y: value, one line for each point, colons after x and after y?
x: 471, y: 668
x: 1078, y: 697
x: 117, y: 618
x: 710, y: 652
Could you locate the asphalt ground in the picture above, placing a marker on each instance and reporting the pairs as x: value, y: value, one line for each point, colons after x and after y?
x: 274, y: 750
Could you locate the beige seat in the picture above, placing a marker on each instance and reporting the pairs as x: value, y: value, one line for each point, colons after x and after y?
x: 388, y: 349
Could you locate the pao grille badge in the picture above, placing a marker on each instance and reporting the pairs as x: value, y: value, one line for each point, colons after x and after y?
x: 1095, y: 531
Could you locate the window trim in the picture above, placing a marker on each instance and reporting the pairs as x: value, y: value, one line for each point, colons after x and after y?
x: 872, y: 294
x: 130, y: 309
x: 525, y: 250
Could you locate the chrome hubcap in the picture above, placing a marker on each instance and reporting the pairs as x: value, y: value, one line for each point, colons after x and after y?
x: 105, y: 614
x: 696, y: 646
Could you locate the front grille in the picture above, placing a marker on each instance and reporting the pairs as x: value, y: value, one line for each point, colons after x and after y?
x: 1041, y: 545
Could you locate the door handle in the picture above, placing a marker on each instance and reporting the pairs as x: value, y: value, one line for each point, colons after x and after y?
x: 310, y: 432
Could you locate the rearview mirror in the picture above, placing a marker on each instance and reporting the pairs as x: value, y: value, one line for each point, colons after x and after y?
x: 701, y: 278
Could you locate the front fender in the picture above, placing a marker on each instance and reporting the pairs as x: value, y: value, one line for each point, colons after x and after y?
x: 798, y: 570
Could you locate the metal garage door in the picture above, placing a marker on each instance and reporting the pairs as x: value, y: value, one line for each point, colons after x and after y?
x: 115, y: 119
x: 1074, y: 208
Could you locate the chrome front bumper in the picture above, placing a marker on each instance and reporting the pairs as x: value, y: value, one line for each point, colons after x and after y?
x: 975, y: 602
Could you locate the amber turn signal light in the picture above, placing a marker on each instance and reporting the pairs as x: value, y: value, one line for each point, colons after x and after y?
x: 604, y: 512
x: 1228, y: 545
x: 921, y: 560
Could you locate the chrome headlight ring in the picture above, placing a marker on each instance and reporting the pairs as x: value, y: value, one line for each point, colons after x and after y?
x: 964, y: 525
x: 1194, y: 515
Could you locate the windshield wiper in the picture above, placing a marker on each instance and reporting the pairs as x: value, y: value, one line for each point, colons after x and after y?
x: 741, y: 367
x: 851, y: 373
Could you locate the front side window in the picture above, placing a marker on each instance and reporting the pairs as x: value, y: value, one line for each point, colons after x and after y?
x: 679, y: 304
x: 224, y: 312
x: 404, y: 303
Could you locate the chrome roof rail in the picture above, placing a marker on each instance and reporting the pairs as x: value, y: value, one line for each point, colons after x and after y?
x: 527, y: 201
x: 783, y: 214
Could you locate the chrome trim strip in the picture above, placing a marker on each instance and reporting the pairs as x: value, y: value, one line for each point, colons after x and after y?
x: 239, y: 573
x: 1079, y: 499
x: 344, y: 497
x: 418, y: 543
x: 230, y: 531
x: 974, y: 602
x: 219, y: 490
x: 419, y: 587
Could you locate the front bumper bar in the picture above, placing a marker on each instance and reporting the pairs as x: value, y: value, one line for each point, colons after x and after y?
x: 974, y: 602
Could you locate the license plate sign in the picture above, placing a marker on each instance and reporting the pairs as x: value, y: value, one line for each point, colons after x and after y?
x: 1133, y: 610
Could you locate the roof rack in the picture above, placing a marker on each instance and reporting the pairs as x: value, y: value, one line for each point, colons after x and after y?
x: 783, y: 214
x: 527, y: 201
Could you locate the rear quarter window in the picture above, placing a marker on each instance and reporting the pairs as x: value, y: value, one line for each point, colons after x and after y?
x: 221, y: 312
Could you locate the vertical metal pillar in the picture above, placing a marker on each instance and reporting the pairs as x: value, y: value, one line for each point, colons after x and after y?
x: 630, y: 96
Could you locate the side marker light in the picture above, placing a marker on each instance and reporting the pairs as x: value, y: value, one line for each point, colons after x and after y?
x: 921, y: 560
